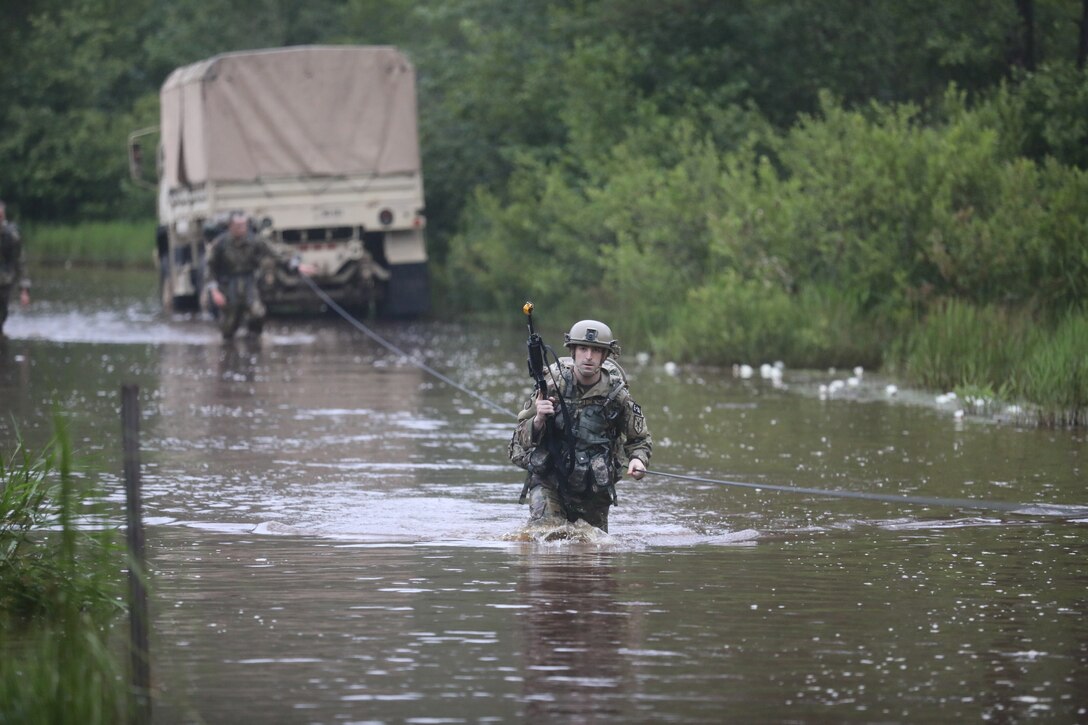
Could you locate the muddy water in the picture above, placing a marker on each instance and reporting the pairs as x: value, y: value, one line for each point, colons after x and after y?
x: 328, y: 534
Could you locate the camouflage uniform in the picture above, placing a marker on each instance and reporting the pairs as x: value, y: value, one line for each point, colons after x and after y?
x: 12, y: 266
x: 234, y: 265
x: 608, y: 429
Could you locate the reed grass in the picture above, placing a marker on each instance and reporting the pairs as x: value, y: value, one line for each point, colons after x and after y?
x: 110, y: 243
x: 59, y: 585
x: 1054, y: 376
x: 1011, y: 356
x: 960, y: 344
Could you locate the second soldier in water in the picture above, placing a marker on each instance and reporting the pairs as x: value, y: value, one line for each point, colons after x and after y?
x: 577, y: 441
x: 234, y: 262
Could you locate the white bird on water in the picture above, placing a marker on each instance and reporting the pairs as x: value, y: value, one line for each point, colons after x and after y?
x: 671, y: 368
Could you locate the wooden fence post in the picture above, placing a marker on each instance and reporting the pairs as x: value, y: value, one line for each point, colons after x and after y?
x: 137, y: 569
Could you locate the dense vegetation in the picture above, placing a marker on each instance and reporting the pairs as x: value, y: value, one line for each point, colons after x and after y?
x: 824, y: 183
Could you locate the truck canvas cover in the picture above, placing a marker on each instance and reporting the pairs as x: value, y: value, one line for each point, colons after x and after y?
x: 301, y: 111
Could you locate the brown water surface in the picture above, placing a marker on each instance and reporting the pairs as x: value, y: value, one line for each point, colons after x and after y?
x: 327, y: 528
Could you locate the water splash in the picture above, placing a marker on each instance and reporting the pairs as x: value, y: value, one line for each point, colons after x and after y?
x: 578, y: 532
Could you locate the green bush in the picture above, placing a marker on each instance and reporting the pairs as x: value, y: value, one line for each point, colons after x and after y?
x: 733, y: 320
x: 855, y: 237
x: 1044, y: 114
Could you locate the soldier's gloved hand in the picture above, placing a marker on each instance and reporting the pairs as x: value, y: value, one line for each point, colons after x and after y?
x: 636, y: 469
x: 545, y: 407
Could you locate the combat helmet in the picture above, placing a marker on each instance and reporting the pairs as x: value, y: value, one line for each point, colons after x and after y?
x: 592, y: 333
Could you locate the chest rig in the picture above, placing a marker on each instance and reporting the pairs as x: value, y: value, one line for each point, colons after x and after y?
x: 593, y: 432
x: 242, y: 256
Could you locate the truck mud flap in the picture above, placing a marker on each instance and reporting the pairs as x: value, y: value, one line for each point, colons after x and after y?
x: 408, y: 292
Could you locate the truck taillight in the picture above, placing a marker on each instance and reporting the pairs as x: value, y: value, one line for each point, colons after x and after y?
x: 385, y: 216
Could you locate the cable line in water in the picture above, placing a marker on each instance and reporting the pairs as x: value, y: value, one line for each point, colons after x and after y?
x: 1024, y: 509
x: 396, y: 350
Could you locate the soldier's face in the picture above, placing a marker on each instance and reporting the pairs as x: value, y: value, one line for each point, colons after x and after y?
x: 238, y: 228
x: 587, y: 363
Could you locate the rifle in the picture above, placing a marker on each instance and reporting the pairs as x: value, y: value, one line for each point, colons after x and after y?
x: 558, y: 446
x: 536, y: 353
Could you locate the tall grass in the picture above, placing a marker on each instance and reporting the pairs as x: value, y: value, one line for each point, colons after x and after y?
x: 113, y: 243
x: 961, y: 346
x: 1055, y: 373
x: 59, y: 577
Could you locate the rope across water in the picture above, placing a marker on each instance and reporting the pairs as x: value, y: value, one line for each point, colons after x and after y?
x: 324, y: 297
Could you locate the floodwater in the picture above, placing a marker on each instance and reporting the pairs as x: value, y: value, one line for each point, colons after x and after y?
x: 328, y: 531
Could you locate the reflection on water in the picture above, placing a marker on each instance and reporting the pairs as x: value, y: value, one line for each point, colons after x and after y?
x: 577, y: 638
x: 334, y: 535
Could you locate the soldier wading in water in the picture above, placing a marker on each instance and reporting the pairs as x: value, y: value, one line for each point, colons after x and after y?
x: 578, y: 439
x: 12, y: 266
x: 236, y: 259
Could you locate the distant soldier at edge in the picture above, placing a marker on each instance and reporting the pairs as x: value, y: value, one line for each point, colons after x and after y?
x: 574, y: 464
x: 12, y: 266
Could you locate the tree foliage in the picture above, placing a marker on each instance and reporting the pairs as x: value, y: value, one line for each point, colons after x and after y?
x: 689, y: 160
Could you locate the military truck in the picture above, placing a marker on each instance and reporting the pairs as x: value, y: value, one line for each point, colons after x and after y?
x: 319, y: 145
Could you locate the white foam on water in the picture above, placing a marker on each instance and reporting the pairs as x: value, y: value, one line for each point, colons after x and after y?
x: 277, y: 528
x: 130, y: 325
